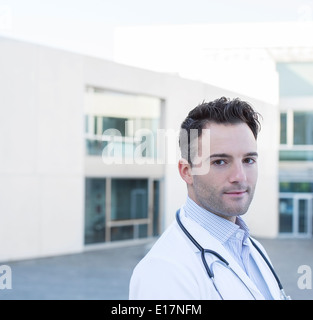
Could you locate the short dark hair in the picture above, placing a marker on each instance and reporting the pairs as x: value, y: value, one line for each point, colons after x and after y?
x: 222, y: 110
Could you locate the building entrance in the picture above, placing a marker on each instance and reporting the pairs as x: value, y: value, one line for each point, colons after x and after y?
x: 295, y: 214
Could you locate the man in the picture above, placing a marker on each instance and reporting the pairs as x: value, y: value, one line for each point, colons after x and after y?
x: 218, y: 142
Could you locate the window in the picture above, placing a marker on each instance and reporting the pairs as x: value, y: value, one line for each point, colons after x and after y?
x: 121, y: 209
x: 285, y: 215
x: 95, y: 210
x: 303, y: 128
x: 129, y: 199
x: 295, y: 214
x: 296, y: 136
x: 121, y: 125
x: 121, y: 203
x: 298, y: 187
x: 296, y: 155
x: 283, y: 128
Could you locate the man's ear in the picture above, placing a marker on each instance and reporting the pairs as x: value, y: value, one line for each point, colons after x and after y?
x: 184, y: 169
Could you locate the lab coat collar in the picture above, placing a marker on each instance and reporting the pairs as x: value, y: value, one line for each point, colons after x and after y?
x: 209, y: 242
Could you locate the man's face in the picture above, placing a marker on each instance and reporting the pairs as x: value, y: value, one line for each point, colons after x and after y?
x: 227, y: 188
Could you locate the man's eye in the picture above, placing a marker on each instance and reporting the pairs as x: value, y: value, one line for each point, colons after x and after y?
x: 249, y: 161
x: 219, y: 162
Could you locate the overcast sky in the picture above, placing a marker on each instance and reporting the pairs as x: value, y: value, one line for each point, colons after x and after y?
x: 136, y: 12
x: 87, y: 26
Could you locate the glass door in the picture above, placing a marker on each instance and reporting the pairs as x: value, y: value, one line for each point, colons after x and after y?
x: 295, y: 214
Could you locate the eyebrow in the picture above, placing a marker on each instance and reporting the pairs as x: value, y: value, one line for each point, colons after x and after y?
x: 225, y: 155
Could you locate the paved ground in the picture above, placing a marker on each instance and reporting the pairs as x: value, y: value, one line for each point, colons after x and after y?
x: 287, y: 256
x: 104, y: 274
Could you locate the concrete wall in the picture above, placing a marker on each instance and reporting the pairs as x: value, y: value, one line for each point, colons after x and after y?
x: 42, y: 161
x: 41, y: 151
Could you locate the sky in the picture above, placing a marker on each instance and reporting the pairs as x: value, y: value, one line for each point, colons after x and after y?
x: 87, y: 26
x: 134, y: 12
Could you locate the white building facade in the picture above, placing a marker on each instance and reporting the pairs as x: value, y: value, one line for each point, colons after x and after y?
x: 63, y: 190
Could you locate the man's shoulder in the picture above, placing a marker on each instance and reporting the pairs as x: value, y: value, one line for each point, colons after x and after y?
x: 170, y: 248
x: 169, y: 240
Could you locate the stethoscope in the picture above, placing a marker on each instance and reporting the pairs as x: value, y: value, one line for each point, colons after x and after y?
x: 224, y: 262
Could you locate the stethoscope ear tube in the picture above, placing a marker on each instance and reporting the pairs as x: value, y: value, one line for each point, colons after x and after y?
x: 199, y: 247
x: 190, y: 237
x: 268, y: 263
x: 210, y: 272
x: 282, y: 291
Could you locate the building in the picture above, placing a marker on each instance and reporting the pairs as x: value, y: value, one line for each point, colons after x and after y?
x: 64, y: 189
x: 248, y: 58
x: 296, y: 148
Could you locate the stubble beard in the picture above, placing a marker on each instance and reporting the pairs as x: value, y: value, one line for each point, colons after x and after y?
x: 214, y: 201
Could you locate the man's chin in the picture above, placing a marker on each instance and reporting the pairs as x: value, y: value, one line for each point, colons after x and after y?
x: 234, y: 212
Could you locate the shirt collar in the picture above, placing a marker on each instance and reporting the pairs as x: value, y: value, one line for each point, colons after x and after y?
x: 218, y: 227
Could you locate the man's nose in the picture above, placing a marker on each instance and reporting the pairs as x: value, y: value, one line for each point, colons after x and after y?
x: 237, y: 173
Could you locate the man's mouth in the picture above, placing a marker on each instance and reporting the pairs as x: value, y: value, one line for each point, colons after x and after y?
x: 236, y: 192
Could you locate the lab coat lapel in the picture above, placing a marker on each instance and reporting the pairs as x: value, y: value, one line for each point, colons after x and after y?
x: 266, y: 272
x: 207, y: 241
x: 218, y: 247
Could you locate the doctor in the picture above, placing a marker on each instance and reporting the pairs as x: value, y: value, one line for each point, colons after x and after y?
x: 207, y: 252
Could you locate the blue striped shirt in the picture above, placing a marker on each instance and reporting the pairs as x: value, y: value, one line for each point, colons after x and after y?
x: 233, y: 236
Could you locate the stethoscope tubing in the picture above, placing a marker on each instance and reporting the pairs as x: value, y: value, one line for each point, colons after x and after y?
x: 210, y: 272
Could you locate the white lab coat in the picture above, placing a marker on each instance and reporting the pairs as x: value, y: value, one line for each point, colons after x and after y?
x: 173, y: 270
